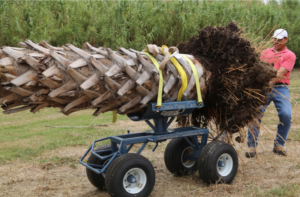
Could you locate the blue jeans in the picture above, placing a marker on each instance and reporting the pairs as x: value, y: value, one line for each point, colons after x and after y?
x: 280, y: 96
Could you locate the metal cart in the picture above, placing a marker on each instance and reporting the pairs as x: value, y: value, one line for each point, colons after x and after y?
x: 125, y: 174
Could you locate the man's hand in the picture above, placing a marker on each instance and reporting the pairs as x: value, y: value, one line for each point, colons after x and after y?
x: 273, y: 81
x: 280, y: 74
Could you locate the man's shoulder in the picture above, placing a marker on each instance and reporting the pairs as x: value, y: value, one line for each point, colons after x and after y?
x: 290, y: 53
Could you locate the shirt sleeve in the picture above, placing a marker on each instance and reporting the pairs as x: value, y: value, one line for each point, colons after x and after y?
x: 289, y: 62
x: 263, y: 55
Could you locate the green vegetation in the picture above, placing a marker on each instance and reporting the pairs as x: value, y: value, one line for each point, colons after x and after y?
x: 133, y: 24
x: 289, y: 190
x: 284, y: 191
x: 294, y: 134
x: 24, y: 135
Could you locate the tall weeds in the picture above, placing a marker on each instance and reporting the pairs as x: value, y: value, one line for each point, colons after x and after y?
x: 133, y: 24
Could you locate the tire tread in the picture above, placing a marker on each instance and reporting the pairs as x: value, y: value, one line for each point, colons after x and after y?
x: 92, y: 176
x: 114, y: 166
x: 204, y: 160
x: 172, y: 162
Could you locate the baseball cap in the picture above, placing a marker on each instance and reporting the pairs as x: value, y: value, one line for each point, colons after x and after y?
x: 280, y: 33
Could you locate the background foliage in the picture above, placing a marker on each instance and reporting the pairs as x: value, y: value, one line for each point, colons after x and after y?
x: 133, y: 24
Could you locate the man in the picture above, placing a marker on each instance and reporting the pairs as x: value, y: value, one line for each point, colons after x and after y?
x: 283, y: 60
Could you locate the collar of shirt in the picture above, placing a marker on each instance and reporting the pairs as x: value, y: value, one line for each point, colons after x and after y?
x: 283, y: 51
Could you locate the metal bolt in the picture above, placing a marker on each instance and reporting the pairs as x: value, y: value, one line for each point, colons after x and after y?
x: 220, y: 168
x: 226, y: 158
x: 128, y: 186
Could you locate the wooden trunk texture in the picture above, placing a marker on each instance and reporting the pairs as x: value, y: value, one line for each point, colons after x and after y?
x: 40, y: 75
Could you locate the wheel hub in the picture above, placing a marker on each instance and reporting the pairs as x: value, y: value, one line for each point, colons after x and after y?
x: 131, y: 179
x: 224, y: 164
x: 189, y: 151
x: 104, y: 174
x: 135, y: 180
x: 221, y: 163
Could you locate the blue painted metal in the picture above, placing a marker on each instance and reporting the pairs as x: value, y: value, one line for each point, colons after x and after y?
x: 223, y: 136
x: 131, y: 179
x: 155, y: 147
x: 168, y: 106
x: 162, y: 119
x: 168, y: 109
x: 221, y: 164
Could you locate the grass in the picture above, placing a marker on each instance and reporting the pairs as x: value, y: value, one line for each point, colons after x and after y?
x: 53, y: 162
x: 294, y: 134
x: 292, y: 190
x: 24, y: 135
x: 282, y: 191
x: 133, y: 24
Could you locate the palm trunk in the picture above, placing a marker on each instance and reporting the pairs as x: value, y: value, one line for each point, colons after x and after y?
x: 234, y: 81
x: 74, y: 79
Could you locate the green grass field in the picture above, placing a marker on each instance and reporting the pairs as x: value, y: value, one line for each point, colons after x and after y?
x: 24, y: 135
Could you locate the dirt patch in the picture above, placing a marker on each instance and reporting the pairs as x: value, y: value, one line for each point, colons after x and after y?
x: 255, y: 175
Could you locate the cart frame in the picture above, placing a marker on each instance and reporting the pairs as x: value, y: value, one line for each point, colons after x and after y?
x: 162, y: 119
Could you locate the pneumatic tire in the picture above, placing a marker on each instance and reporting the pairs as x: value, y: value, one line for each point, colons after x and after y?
x: 97, y: 180
x: 175, y: 159
x: 218, y: 163
x: 130, y: 175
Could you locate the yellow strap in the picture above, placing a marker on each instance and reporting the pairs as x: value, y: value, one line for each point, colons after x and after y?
x: 196, y: 78
x: 114, y: 116
x: 161, y: 80
x: 181, y: 73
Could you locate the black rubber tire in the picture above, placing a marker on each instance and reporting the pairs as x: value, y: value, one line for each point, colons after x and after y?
x: 208, y: 158
x: 97, y: 180
x: 120, y: 166
x: 173, y: 160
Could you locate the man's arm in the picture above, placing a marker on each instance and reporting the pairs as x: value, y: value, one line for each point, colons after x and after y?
x: 285, y: 67
x: 280, y: 73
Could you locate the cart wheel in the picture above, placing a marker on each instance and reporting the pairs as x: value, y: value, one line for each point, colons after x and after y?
x: 218, y: 162
x: 130, y: 175
x: 175, y: 157
x: 98, y: 180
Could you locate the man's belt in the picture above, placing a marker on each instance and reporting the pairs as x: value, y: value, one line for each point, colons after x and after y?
x: 280, y: 84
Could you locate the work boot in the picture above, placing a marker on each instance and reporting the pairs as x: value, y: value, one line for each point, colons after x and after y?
x: 279, y: 150
x: 251, y: 152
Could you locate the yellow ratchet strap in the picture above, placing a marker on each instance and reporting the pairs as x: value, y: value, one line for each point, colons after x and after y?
x: 181, y: 73
x: 161, y: 80
x: 196, y: 78
x: 114, y: 116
